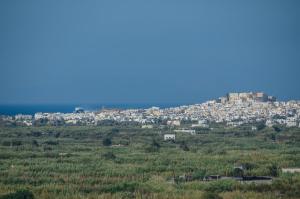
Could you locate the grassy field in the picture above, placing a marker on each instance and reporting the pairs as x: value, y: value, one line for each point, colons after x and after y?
x: 80, y: 162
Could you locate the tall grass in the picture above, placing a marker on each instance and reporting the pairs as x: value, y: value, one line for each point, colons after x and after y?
x: 72, y: 162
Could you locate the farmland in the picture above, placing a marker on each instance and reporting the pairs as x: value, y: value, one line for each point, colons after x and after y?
x: 126, y: 161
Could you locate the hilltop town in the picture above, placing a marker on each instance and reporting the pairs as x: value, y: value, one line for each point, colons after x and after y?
x: 234, y: 109
x: 220, y: 147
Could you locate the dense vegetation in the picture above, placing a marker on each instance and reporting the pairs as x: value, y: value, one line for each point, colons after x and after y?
x: 126, y: 161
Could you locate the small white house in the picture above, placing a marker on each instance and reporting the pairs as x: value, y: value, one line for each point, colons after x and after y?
x: 290, y: 170
x: 290, y: 123
x: 169, y: 137
x: 190, y: 131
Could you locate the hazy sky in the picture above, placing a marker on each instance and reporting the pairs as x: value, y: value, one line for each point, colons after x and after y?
x: 155, y: 51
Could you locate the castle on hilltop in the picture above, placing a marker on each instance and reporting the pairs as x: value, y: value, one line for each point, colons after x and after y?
x: 247, y: 97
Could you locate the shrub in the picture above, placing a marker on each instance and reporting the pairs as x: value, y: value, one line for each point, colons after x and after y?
x: 154, y: 147
x: 57, y: 135
x: 151, y: 149
x: 237, y: 172
x: 260, y: 126
x: 273, y: 170
x: 12, y: 143
x: 155, y: 144
x: 51, y: 142
x: 20, y: 194
x: 210, y: 195
x: 47, y: 148
x: 184, y: 146
x: 277, y: 128
x: 36, y: 134
x: 109, y: 156
x: 106, y: 142
x: 220, y: 186
x: 199, y: 175
x: 248, y: 165
x: 35, y: 143
x: 6, y: 143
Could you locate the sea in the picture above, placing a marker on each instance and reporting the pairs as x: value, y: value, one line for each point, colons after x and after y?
x: 27, y: 109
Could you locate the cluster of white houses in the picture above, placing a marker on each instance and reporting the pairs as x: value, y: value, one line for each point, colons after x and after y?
x: 233, y: 110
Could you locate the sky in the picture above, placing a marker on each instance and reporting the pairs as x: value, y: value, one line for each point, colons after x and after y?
x: 137, y: 51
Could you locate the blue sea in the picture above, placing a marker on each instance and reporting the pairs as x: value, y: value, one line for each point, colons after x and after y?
x: 32, y: 109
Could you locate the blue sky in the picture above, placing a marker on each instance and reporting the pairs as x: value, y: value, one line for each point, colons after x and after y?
x: 74, y: 51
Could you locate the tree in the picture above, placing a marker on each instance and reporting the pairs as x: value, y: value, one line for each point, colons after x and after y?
x: 184, y: 146
x: 248, y: 165
x: 237, y: 172
x: 273, y: 137
x: 35, y: 143
x: 107, y: 142
x: 260, y: 126
x: 154, y: 146
x: 273, y: 170
x: 277, y: 128
x: 199, y: 175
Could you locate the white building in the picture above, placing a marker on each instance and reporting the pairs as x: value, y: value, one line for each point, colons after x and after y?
x: 191, y: 131
x: 201, y: 123
x: 169, y: 137
x: 290, y: 170
x: 23, y: 117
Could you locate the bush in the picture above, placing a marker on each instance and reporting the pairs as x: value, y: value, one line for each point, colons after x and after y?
x: 47, y: 148
x: 288, y: 184
x: 155, y: 144
x: 6, y: 143
x: 107, y: 142
x: 36, y: 134
x: 184, y: 146
x: 220, y: 186
x: 210, y: 195
x: 21, y: 194
x: 248, y: 165
x: 57, y: 135
x: 35, y: 143
x: 115, y: 130
x: 273, y: 170
x: 109, y: 156
x: 237, y: 172
x: 260, y: 126
x: 12, y: 143
x: 51, y: 142
x: 277, y: 128
x: 154, y: 147
x: 151, y: 149
x: 199, y: 175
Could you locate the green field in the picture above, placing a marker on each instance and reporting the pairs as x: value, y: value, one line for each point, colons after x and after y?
x: 80, y: 162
